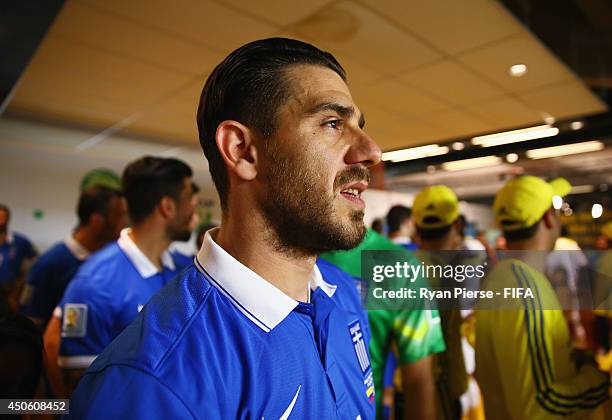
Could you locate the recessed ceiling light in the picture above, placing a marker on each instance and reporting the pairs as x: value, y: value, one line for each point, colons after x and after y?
x: 458, y: 145
x: 576, y: 125
x: 596, y: 211
x: 512, y: 157
x: 517, y: 70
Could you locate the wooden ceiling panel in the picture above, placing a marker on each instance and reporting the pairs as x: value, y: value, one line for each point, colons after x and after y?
x: 493, y: 62
x: 163, y: 124
x: 449, y: 25
x: 506, y: 112
x: 565, y: 100
x: 80, y: 23
x: 127, y: 73
x: 67, y: 107
x: 204, y: 21
x: 279, y: 12
x: 354, y: 30
x: 451, y: 81
x: 457, y: 123
x: 397, y: 98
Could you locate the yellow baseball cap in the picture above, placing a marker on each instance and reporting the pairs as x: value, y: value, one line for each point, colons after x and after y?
x: 435, y: 207
x: 524, y: 200
x: 606, y: 230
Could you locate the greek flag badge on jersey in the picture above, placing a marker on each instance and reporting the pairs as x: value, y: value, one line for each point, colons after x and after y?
x: 74, y: 323
x: 359, y: 345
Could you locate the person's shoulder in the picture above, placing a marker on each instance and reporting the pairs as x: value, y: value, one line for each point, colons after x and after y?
x: 55, y: 258
x: 20, y: 238
x: 186, y: 318
x: 23, y: 241
x: 99, y: 271
x: 107, y: 260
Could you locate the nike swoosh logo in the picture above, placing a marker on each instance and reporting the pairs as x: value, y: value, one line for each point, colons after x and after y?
x: 289, y: 409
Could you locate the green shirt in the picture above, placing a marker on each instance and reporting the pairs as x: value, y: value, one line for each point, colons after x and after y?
x: 416, y: 333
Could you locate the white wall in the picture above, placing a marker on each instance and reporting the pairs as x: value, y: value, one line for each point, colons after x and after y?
x: 40, y: 168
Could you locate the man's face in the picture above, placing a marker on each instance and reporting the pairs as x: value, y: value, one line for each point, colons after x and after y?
x: 179, y: 229
x: 314, y: 168
x: 116, y: 218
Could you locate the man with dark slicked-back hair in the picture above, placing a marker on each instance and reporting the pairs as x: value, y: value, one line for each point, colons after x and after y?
x: 259, y: 328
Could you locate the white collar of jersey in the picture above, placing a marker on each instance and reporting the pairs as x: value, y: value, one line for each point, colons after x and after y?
x: 78, y: 250
x: 401, y: 240
x: 9, y: 237
x: 261, y: 302
x: 144, y: 266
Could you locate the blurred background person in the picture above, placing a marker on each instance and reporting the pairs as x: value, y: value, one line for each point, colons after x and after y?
x: 113, y: 285
x: 439, y: 228
x: 401, y: 227
x: 102, y: 214
x: 21, y: 357
x: 16, y: 256
x: 525, y: 364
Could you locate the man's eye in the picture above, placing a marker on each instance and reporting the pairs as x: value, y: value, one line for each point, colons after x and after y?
x: 335, y: 124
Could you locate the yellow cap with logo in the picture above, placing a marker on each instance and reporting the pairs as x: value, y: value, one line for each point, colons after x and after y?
x: 523, y: 201
x: 606, y: 230
x: 434, y: 207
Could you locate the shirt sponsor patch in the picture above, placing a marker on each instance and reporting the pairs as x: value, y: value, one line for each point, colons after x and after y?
x: 74, y: 323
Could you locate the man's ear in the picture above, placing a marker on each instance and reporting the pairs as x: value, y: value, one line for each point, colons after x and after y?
x: 97, y: 220
x: 548, y: 219
x: 167, y: 207
x: 235, y: 143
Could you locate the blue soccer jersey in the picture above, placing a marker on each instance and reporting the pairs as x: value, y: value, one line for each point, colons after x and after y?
x: 13, y: 252
x: 106, y: 294
x: 220, y: 342
x: 48, y: 278
x: 181, y: 260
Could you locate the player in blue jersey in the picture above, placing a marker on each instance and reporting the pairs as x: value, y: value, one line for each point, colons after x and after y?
x: 258, y: 329
x: 16, y: 254
x: 102, y: 213
x: 113, y: 285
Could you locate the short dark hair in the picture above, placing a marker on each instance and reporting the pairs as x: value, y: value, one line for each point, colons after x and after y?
x: 396, y: 216
x: 521, y: 234
x: 5, y: 209
x: 249, y: 86
x: 147, y: 180
x: 21, y: 361
x: 95, y: 200
x: 433, y: 234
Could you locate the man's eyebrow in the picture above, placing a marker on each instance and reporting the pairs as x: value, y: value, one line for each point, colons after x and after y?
x: 342, y: 110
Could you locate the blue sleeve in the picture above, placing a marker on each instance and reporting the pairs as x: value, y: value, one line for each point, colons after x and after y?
x: 87, y: 323
x: 127, y: 393
x: 26, y: 249
x: 36, y: 297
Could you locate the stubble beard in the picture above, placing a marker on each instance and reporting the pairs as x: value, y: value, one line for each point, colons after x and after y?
x: 300, y: 213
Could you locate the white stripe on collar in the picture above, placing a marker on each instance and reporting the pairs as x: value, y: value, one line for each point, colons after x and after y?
x: 9, y: 237
x: 140, y: 261
x: 79, y: 251
x: 261, y: 302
